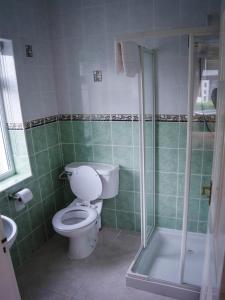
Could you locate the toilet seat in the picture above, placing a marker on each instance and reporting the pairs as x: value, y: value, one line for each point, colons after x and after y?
x: 87, y: 215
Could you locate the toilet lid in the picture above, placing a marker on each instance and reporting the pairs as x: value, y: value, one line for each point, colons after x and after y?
x: 86, y: 183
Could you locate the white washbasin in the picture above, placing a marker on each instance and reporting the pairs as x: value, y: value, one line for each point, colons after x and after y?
x: 10, y: 230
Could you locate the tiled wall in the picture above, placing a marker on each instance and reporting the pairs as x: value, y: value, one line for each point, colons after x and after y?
x: 34, y: 222
x: 55, y: 144
x: 117, y: 142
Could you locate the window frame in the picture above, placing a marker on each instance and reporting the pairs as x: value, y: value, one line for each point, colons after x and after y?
x: 3, y: 125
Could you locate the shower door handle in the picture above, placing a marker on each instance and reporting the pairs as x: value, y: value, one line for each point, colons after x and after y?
x: 207, y: 191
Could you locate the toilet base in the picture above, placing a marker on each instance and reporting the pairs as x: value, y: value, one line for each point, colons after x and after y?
x: 82, y: 245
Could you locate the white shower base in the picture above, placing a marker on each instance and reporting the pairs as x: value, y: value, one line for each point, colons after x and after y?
x: 160, y: 260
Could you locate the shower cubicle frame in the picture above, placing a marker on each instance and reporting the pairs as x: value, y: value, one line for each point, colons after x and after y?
x: 185, y: 291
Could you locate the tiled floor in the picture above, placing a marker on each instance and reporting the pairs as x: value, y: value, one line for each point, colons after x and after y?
x: 49, y: 274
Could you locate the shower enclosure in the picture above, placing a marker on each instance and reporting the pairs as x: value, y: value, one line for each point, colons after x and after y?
x: 178, y: 97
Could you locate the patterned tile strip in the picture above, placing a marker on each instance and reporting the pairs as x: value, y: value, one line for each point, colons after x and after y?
x: 108, y: 117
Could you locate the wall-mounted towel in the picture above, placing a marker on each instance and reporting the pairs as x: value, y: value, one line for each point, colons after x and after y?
x: 127, y: 58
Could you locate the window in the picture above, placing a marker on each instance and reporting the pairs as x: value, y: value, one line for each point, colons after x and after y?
x: 6, y: 160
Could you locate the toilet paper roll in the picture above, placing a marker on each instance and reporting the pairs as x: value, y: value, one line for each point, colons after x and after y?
x: 24, y: 196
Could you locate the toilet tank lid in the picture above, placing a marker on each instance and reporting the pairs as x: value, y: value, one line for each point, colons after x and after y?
x: 100, y: 168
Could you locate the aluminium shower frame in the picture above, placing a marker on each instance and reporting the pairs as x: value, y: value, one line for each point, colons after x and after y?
x: 191, y: 32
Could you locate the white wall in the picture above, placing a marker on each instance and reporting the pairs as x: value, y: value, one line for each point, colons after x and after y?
x: 83, y: 35
x: 79, y: 36
x: 26, y: 22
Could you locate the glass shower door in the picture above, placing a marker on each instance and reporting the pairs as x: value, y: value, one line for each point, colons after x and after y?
x: 205, y: 84
x: 147, y: 141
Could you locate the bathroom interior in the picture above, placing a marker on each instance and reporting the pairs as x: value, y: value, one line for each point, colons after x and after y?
x: 108, y: 122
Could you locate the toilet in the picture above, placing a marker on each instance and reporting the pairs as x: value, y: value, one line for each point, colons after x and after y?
x: 80, y: 221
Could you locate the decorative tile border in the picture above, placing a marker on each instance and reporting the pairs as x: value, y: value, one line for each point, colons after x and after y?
x: 108, y: 117
x: 15, y: 126
x: 121, y: 117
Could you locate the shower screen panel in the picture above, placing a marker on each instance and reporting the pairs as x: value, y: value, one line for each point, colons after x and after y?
x: 205, y: 77
x: 147, y: 142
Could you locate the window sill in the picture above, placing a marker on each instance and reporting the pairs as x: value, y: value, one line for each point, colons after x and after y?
x: 13, y: 180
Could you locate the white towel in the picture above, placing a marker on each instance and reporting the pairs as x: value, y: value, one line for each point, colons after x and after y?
x: 127, y: 58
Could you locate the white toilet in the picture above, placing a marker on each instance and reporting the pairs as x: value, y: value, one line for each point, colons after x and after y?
x: 81, y: 220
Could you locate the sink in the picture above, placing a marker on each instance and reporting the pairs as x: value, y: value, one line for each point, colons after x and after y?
x: 10, y: 230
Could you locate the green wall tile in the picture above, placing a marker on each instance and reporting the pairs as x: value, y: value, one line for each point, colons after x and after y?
x: 196, y: 162
x: 46, y: 186
x: 209, y: 136
x: 125, y: 201
x: 4, y: 206
x: 122, y: 133
x: 84, y: 152
x: 204, y: 209
x: 148, y: 133
x: 123, y: 156
x: 202, y: 227
x: 39, y: 138
x: 207, y: 162
x: 126, y: 180
x: 102, y: 154
x: 49, y: 207
x: 136, y: 180
x: 109, y: 203
x: 48, y: 228
x: 149, y: 158
x: 25, y: 248
x: 35, y: 188
x: 193, y: 209
x: 192, y: 226
x: 182, y: 135
x: 42, y: 163
x: 82, y: 132
x: 66, y: 132
x: 166, y: 160
x: 56, y: 182
x: 52, y: 133
x: 137, y: 202
x: 167, y: 134
x: 23, y: 225
x: 36, y: 215
x: 182, y: 160
x: 125, y: 220
x: 101, y: 133
x: 197, y: 135
x: 162, y: 221
x: 59, y: 199
x: 136, y: 158
x: 137, y: 222
x: 166, y: 206
x: 55, y: 157
x: 136, y: 137
x: 195, y: 186
x: 15, y: 256
x: 166, y: 183
x: 29, y: 141
x: 38, y: 237
x: 109, y: 218
x: 33, y: 166
x: 68, y: 153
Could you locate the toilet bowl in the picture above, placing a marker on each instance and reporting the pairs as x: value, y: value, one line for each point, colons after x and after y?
x: 79, y: 223
x: 81, y: 220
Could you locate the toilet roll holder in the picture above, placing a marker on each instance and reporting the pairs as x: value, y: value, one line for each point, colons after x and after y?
x: 15, y: 197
